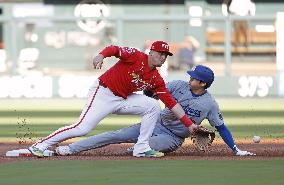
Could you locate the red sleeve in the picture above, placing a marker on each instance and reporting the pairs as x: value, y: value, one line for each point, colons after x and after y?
x: 110, y: 51
x: 163, y: 93
x: 186, y: 121
x: 119, y: 52
x: 166, y: 97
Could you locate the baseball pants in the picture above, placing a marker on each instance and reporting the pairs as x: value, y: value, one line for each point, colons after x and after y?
x: 102, y: 102
x: 161, y: 139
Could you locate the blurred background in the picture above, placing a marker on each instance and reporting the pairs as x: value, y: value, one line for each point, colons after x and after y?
x: 46, y: 46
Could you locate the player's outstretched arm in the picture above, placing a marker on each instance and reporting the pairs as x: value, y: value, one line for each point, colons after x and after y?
x: 228, y: 139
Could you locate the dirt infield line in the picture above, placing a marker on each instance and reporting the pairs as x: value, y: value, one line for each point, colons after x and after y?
x: 267, y: 149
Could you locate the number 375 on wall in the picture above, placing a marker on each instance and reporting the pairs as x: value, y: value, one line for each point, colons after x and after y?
x: 255, y: 86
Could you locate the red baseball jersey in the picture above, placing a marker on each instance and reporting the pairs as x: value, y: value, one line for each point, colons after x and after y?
x: 132, y: 73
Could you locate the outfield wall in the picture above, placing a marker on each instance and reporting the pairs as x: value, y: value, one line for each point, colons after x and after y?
x: 57, y: 37
x: 44, y: 44
x: 70, y: 86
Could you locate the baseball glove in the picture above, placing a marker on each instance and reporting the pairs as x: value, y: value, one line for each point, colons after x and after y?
x: 150, y: 94
x: 203, y: 138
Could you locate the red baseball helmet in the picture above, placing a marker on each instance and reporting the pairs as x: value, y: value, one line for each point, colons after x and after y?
x: 161, y: 46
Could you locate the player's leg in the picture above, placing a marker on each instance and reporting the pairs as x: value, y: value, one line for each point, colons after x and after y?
x: 149, y: 109
x: 101, y: 102
x: 165, y: 143
x: 162, y: 140
x: 124, y: 135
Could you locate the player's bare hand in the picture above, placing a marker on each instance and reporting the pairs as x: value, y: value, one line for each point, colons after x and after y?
x: 192, y: 128
x: 98, y: 61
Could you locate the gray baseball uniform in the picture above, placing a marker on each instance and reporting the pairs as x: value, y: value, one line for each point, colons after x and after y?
x: 169, y: 132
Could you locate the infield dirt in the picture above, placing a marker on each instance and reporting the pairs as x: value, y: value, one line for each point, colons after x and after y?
x: 268, y: 148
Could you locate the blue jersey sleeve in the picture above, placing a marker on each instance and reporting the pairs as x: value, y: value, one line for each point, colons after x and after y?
x: 175, y: 85
x: 226, y: 136
x: 215, y: 117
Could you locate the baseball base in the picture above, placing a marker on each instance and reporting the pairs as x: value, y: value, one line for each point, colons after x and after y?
x: 256, y: 139
x: 26, y: 153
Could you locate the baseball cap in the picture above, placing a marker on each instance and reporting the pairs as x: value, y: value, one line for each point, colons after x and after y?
x: 161, y: 46
x: 202, y: 73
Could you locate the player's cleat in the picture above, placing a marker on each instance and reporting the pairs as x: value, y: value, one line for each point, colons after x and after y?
x: 63, y: 150
x: 36, y: 151
x: 150, y: 153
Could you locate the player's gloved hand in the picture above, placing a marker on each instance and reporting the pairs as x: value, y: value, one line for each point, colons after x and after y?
x: 239, y: 152
x: 98, y: 61
x: 202, y: 138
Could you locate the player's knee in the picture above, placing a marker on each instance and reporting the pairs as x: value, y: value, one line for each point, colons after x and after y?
x: 159, y: 146
x: 163, y: 144
x: 83, y: 131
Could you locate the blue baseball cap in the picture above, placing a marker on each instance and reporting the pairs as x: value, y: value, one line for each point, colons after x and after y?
x: 202, y: 73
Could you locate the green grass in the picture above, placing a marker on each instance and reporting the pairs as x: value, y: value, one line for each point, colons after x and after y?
x: 141, y: 172
x: 45, y: 129
x: 244, y: 117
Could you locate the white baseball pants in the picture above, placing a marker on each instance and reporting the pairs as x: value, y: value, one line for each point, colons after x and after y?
x: 102, y: 102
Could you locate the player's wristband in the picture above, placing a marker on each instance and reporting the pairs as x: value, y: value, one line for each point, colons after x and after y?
x: 186, y: 121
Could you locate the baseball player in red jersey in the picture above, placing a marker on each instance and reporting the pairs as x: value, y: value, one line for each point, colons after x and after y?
x: 113, y: 92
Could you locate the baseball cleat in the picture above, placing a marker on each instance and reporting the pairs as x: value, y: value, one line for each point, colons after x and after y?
x: 150, y: 153
x: 63, y: 150
x: 36, y: 151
